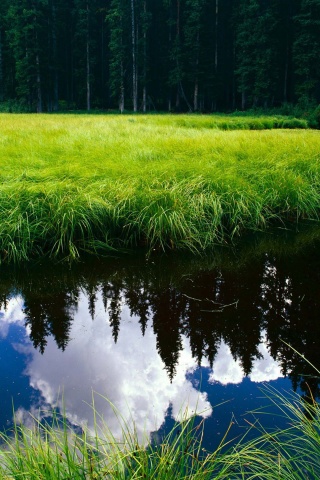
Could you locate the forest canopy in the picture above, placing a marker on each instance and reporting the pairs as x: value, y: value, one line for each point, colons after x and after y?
x: 158, y: 55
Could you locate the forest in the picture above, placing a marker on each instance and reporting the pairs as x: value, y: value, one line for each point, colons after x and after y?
x: 158, y: 55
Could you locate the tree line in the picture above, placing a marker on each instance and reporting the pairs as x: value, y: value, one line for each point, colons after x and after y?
x: 158, y: 55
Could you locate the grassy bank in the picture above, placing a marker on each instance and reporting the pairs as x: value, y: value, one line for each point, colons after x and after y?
x: 54, y: 451
x: 93, y: 183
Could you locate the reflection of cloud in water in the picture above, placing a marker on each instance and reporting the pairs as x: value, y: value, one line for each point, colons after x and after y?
x: 227, y: 370
x: 130, y: 374
x: 12, y: 314
x: 267, y: 368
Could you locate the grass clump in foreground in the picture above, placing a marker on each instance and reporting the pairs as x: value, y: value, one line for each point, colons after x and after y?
x: 55, y: 452
x: 72, y: 184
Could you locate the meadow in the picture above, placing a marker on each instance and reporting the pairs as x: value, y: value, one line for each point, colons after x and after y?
x: 98, y: 183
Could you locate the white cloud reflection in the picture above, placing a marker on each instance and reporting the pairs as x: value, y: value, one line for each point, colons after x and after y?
x: 265, y: 369
x: 227, y: 370
x: 12, y: 314
x: 129, y: 374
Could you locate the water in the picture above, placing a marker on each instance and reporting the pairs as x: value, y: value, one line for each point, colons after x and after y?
x: 154, y: 335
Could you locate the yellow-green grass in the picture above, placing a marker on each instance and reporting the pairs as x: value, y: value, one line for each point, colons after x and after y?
x: 72, y: 183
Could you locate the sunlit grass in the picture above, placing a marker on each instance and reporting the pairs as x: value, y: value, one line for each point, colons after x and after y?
x: 72, y: 183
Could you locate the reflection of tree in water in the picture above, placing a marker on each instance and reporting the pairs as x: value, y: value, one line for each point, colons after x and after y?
x: 49, y: 304
x: 49, y: 314
x: 242, y: 325
x: 291, y: 314
x: 115, y: 309
x: 225, y: 306
x: 4, y: 300
x: 270, y: 295
x: 167, y: 307
x: 7, y: 293
x: 137, y: 299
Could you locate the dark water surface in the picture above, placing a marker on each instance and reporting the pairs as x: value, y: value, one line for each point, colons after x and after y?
x: 154, y: 335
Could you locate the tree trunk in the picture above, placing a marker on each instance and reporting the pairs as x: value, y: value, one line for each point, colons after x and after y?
x: 144, y: 90
x: 196, y: 96
x: 38, y: 78
x: 216, y: 51
x: 39, y: 95
x: 196, y: 82
x: 54, y: 54
x: 177, y: 105
x: 121, y: 99
x: 234, y: 80
x: 37, y: 86
x: 134, y: 61
x: 216, y: 39
x: 286, y: 66
x: 1, y: 71
x: 177, y: 56
x: 144, y: 99
x: 285, y: 82
x: 243, y: 100
x: 88, y: 78
x: 102, y: 61
x: 88, y: 63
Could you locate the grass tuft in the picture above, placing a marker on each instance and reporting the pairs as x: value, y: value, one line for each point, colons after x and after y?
x: 53, y: 450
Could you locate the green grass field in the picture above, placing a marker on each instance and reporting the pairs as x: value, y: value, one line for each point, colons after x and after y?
x: 73, y: 183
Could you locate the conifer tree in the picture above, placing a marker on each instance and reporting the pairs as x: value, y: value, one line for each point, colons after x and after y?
x: 255, y: 23
x: 84, y: 45
x: 193, y: 28
x: 176, y: 74
x: 118, y: 20
x: 145, y: 20
x: 3, y: 8
x: 27, y: 34
x: 306, y: 51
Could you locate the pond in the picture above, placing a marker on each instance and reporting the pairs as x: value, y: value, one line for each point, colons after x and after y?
x: 156, y: 334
